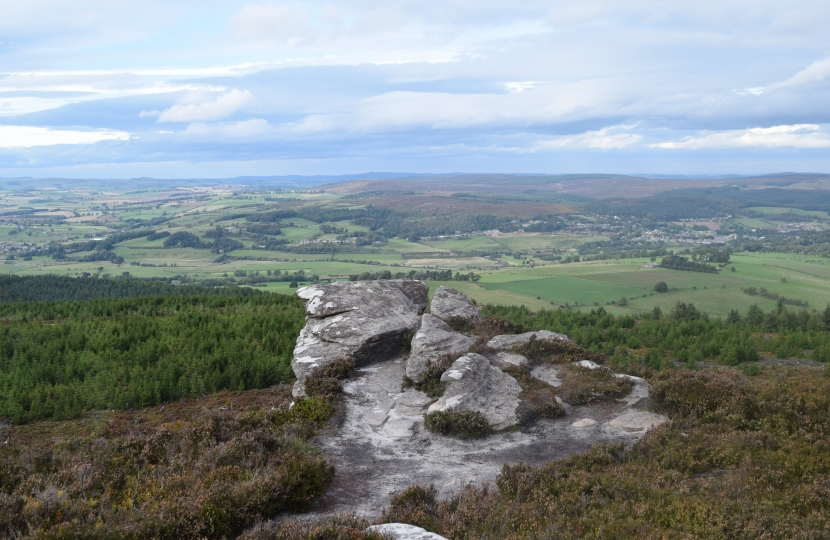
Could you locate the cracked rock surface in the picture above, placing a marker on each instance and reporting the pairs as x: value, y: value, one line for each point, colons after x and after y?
x: 378, y: 442
x: 474, y: 385
x: 448, y: 303
x: 361, y: 320
x: 434, y: 340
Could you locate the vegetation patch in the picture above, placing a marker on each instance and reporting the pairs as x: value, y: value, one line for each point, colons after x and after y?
x: 208, y: 473
x: 340, y: 527
x: 584, y: 386
x: 555, y: 351
x: 537, y: 398
x: 762, y: 474
x: 324, y: 381
x: 430, y: 382
x: 458, y: 424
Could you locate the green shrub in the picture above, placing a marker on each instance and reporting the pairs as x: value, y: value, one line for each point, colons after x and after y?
x: 324, y: 381
x: 458, y: 424
x: 430, y: 382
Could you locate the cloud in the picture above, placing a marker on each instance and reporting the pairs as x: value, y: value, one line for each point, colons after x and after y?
x: 815, y: 72
x: 235, y: 130
x: 794, y: 136
x: 29, y: 136
x: 272, y: 22
x: 603, y: 139
x: 195, y: 110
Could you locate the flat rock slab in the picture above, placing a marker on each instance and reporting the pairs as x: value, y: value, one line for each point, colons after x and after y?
x: 448, y: 303
x: 508, y: 341
x: 475, y: 385
x: 404, y: 531
x: 373, y: 461
x: 638, y: 421
x: 432, y: 341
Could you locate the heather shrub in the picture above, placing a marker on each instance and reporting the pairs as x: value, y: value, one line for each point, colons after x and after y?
x: 209, y: 476
x: 584, y: 386
x: 555, y: 351
x: 324, y: 381
x: 340, y: 527
x: 458, y: 424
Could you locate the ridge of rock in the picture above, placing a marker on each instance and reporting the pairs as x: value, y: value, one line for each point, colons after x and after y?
x: 404, y: 531
x: 433, y: 340
x: 448, y: 303
x: 363, y: 321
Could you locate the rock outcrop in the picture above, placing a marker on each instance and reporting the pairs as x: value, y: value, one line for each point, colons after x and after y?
x: 363, y: 321
x: 404, y: 531
x: 434, y: 340
x: 475, y: 385
x: 508, y: 341
x: 448, y: 303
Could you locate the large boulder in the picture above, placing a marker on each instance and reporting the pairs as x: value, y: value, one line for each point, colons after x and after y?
x: 508, y: 341
x: 363, y: 321
x: 448, y: 303
x: 475, y: 385
x: 434, y: 340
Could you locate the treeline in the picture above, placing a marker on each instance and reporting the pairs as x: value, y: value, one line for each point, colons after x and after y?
x: 184, y: 239
x: 60, y: 288
x: 686, y: 334
x: 58, y: 359
x: 424, y: 275
x: 783, y: 300
x: 676, y: 262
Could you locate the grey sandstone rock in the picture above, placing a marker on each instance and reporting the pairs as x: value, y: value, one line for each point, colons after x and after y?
x: 359, y: 320
x: 432, y: 341
x: 638, y: 421
x: 508, y: 341
x: 447, y: 303
x: 403, y: 531
x: 475, y: 385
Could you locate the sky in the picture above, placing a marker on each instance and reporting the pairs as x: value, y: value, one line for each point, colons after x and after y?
x: 210, y: 89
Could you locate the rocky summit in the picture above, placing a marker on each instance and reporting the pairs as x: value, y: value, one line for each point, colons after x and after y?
x: 412, y: 364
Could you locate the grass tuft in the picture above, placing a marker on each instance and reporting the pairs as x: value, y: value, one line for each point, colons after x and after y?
x: 459, y: 424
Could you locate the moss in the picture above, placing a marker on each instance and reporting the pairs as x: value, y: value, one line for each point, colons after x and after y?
x: 458, y: 424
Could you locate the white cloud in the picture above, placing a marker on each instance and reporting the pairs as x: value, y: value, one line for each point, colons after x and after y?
x: 194, y: 109
x: 235, y: 130
x: 603, y: 139
x: 29, y: 136
x: 794, y: 136
x: 272, y: 22
x: 815, y: 72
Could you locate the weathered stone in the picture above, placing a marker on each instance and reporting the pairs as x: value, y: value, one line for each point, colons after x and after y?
x: 508, y: 341
x: 359, y: 320
x: 638, y: 421
x: 434, y: 340
x: 505, y: 359
x: 475, y: 385
x: 447, y: 303
x: 548, y: 374
x: 585, y: 422
x: 403, y: 531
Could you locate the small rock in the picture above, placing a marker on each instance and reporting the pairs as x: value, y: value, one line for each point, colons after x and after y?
x: 588, y: 364
x: 548, y: 374
x: 447, y: 303
x: 403, y: 531
x: 638, y: 393
x: 475, y: 385
x: 507, y: 341
x: 585, y: 422
x: 434, y: 340
x: 638, y: 421
x: 504, y: 359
